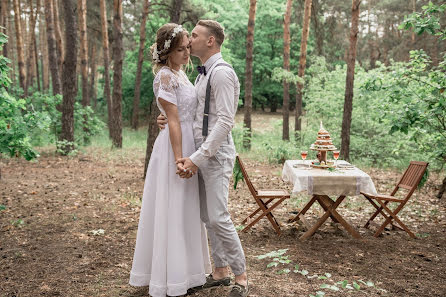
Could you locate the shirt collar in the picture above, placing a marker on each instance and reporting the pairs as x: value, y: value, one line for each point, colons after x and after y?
x: 208, y: 64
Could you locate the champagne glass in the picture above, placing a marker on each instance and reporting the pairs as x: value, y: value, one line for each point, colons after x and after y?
x: 303, y: 154
x: 336, y: 156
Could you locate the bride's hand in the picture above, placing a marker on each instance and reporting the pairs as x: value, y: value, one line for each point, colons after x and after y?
x: 189, y: 167
x: 182, y: 172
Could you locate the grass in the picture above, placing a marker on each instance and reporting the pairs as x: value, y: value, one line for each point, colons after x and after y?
x: 266, y: 143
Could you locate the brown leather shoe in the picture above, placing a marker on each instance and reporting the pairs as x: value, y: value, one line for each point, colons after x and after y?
x: 211, y: 283
x: 239, y: 291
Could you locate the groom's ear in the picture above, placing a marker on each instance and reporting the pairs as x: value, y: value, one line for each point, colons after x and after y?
x: 211, y: 40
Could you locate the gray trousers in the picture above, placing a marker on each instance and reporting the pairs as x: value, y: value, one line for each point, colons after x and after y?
x: 213, y: 180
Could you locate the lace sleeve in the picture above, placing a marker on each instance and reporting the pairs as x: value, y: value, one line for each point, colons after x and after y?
x: 165, y: 85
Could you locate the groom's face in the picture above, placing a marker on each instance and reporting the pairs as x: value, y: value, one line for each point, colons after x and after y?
x: 199, y: 41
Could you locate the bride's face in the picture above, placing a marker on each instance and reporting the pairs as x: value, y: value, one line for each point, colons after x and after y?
x: 180, y: 55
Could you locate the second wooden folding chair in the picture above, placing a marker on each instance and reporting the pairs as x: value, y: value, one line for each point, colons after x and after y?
x: 409, y: 181
x: 263, y: 199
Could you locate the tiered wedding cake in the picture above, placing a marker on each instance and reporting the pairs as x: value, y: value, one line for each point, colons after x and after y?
x: 323, y: 141
x: 323, y: 144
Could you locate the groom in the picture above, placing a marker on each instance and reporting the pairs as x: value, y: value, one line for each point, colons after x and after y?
x: 218, y: 91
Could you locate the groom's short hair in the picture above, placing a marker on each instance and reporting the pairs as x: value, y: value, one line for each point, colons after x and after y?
x: 215, y: 29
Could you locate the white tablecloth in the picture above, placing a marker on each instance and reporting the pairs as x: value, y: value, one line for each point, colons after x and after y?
x: 303, y: 179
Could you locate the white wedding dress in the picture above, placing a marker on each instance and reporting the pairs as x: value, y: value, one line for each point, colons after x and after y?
x: 171, y: 253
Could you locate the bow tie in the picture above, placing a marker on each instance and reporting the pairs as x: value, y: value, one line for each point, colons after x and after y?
x: 201, y: 70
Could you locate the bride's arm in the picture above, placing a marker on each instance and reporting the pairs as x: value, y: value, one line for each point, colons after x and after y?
x: 174, y: 127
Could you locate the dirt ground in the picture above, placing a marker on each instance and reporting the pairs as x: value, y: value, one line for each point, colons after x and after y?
x: 51, y: 243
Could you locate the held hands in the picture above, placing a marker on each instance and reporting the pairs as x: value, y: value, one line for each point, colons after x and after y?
x: 186, y: 168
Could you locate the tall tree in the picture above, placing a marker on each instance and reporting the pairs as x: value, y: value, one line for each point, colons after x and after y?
x: 302, y: 64
x: 92, y: 92
x: 106, y: 55
x: 59, y: 39
x: 175, y: 11
x: 32, y: 43
x: 317, y: 13
x: 52, y: 52
x: 20, y: 50
x: 68, y: 76
x: 152, y: 132
x: 44, y: 60
x: 348, y: 100
x: 142, y: 40
x: 36, y: 60
x: 12, y: 41
x: 248, y: 74
x: 82, y: 9
x: 4, y: 23
x: 286, y: 67
x: 116, y: 127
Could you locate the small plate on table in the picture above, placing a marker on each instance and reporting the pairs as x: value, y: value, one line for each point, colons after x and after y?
x: 345, y: 166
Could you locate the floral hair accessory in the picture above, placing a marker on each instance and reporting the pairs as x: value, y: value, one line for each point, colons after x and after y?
x: 156, y: 55
x: 167, y: 43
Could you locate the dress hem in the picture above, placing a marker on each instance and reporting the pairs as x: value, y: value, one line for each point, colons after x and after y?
x: 156, y: 290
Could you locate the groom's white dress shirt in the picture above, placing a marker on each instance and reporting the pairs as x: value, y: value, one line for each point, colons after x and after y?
x: 225, y: 91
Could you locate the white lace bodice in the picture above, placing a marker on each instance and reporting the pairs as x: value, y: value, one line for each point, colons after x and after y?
x: 174, y: 87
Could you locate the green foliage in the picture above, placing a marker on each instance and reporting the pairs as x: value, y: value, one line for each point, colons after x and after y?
x: 279, y: 258
x: 15, y: 123
x: 415, y: 102
x: 237, y: 173
x: 429, y: 21
x: 47, y: 107
x: 281, y: 75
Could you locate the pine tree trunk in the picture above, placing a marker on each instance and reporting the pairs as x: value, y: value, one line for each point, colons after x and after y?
x: 36, y: 59
x: 175, y: 11
x: 414, y: 9
x: 117, y: 74
x: 69, y: 75
x: 318, y: 28
x: 142, y: 39
x: 44, y: 55
x: 442, y: 189
x: 248, y: 76
x: 19, y: 40
x: 52, y: 52
x: 302, y: 65
x: 59, y: 39
x: 286, y: 66
x: 92, y: 92
x: 31, y: 65
x: 152, y: 132
x: 5, y: 24
x: 11, y: 51
x: 82, y: 9
x: 106, y: 55
x: 348, y: 101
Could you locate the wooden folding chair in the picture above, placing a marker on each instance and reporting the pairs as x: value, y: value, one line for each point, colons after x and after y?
x: 260, y: 196
x: 409, y: 181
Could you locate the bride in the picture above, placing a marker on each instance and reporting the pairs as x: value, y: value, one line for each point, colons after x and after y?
x: 171, y: 253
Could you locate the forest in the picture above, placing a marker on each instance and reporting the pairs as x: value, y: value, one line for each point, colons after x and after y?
x: 78, y: 123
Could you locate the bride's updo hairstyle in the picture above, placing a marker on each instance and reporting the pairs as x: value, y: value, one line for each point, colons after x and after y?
x: 168, y: 38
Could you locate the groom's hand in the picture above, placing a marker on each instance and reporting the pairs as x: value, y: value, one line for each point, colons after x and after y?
x: 161, y: 120
x: 183, y: 172
x: 189, y: 166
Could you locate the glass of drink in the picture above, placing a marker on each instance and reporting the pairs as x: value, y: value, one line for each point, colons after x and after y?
x: 304, y: 154
x: 336, y: 156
